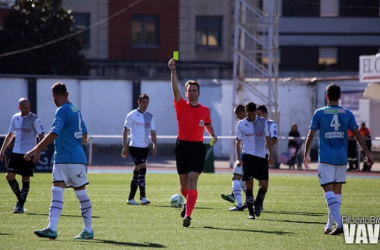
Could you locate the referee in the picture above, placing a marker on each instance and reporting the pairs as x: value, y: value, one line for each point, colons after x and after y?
x: 192, y: 119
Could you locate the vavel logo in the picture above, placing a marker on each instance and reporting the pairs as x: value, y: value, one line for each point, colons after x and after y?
x: 361, y: 230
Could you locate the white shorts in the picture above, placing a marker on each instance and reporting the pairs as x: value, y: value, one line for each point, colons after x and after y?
x: 74, y: 175
x: 328, y: 174
x: 238, y: 170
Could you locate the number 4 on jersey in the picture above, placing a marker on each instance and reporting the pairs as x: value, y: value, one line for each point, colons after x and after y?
x: 335, y: 122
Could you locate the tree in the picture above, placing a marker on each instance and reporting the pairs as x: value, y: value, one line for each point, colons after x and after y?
x: 35, y: 22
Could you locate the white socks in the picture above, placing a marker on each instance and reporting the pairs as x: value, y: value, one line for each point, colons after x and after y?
x: 334, y: 207
x: 55, y: 207
x: 86, y: 209
x: 236, y: 188
x: 243, y: 186
x: 331, y: 220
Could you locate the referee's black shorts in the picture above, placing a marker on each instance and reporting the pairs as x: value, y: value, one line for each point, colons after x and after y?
x: 255, y: 167
x: 18, y: 165
x: 190, y: 156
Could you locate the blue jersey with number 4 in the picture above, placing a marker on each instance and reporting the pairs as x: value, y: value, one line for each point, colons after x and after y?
x: 333, y: 123
x: 69, y: 127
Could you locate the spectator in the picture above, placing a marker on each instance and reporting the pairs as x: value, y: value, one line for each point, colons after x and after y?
x: 352, y: 155
x: 366, y: 133
x: 294, y: 146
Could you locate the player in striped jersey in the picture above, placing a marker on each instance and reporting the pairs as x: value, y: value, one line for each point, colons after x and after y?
x: 25, y: 126
x: 237, y: 183
x: 140, y: 123
x: 272, y: 126
x: 252, y: 136
x: 333, y: 122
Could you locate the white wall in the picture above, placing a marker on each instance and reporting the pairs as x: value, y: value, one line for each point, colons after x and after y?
x: 11, y: 90
x: 105, y: 104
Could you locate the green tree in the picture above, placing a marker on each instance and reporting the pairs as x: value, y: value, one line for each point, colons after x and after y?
x: 35, y: 22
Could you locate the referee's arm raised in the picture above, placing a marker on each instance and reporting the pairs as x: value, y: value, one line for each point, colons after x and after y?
x: 176, y: 92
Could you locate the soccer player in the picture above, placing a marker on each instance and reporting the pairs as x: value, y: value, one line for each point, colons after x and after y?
x: 333, y: 121
x: 272, y: 125
x: 139, y: 122
x: 252, y: 137
x: 192, y: 119
x: 25, y: 126
x: 237, y: 183
x: 69, y: 134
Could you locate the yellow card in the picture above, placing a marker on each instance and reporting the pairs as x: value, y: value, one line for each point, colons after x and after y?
x: 175, y: 55
x: 212, y: 142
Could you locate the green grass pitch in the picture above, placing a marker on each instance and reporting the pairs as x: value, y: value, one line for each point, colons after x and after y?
x: 293, y: 218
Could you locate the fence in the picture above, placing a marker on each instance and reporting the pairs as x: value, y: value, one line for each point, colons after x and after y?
x: 280, y: 148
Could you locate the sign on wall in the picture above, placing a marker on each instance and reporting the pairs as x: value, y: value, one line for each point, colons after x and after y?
x: 369, y: 68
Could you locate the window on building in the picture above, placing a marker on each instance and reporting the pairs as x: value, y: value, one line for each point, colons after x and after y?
x: 299, y: 58
x: 329, y: 8
x: 82, y: 22
x: 328, y: 58
x: 145, y: 32
x: 356, y: 8
x: 297, y: 8
x: 209, y: 32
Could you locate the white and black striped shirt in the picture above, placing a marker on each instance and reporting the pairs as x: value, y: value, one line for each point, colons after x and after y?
x: 253, y: 134
x: 26, y: 129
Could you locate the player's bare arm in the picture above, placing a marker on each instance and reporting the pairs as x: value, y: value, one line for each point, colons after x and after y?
x: 273, y: 140
x: 238, y: 152
x: 84, y: 139
x: 176, y: 92
x: 309, y: 140
x: 6, y: 143
x: 270, y: 149
x: 154, y: 141
x: 35, y: 152
x: 124, y: 151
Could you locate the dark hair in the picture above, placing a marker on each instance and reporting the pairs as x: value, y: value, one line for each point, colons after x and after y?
x: 192, y: 82
x: 143, y: 96
x: 250, y: 107
x: 59, y: 88
x: 239, y: 108
x: 263, y: 109
x: 333, y: 92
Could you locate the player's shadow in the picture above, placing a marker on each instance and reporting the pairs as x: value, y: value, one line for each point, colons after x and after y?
x: 62, y: 215
x: 250, y: 230
x: 297, y: 221
x: 295, y: 213
x: 179, y: 208
x: 129, y: 244
x: 4, y: 233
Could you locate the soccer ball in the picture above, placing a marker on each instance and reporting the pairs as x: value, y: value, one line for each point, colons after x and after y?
x: 177, y: 200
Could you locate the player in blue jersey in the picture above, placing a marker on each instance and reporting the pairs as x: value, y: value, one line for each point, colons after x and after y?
x: 69, y: 134
x: 333, y: 121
